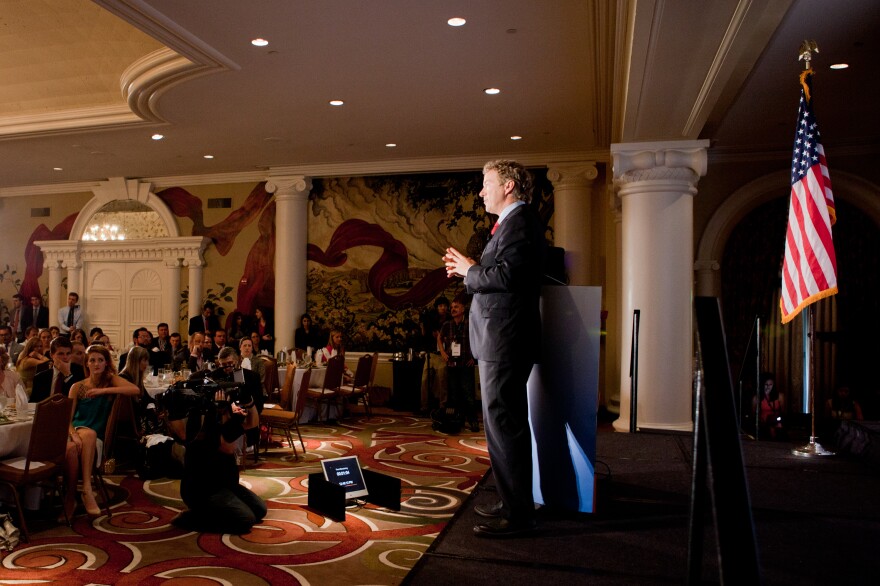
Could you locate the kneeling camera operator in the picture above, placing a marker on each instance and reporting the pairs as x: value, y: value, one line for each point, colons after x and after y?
x: 225, y: 401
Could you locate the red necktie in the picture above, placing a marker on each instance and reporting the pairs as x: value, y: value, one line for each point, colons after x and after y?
x: 495, y: 227
x: 59, y: 384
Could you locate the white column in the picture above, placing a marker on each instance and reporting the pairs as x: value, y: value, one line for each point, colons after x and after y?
x: 74, y: 278
x: 194, y: 299
x: 657, y: 183
x: 291, y: 242
x: 572, y: 184
x: 171, y: 303
x: 54, y: 302
x: 708, y: 278
x: 614, y: 303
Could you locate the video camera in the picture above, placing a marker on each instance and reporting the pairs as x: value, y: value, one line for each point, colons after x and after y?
x: 183, y: 398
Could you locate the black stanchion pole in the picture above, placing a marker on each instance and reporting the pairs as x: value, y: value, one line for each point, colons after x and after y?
x: 634, y: 373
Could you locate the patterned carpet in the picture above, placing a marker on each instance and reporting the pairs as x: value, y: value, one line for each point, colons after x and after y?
x: 293, y: 545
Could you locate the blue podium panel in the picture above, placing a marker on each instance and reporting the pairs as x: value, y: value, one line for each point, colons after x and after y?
x: 564, y: 398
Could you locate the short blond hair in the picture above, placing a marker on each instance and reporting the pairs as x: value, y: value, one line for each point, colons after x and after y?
x: 512, y: 171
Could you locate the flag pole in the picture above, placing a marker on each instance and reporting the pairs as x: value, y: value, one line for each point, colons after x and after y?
x: 814, y: 448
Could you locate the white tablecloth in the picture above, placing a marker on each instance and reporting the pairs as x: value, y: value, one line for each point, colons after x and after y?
x: 316, y: 381
x: 14, y: 438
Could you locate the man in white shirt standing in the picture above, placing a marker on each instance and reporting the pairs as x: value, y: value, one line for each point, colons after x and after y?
x: 71, y: 316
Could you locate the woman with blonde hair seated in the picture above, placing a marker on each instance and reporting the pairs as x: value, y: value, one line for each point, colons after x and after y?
x: 9, y: 379
x: 92, y: 402
x: 28, y: 361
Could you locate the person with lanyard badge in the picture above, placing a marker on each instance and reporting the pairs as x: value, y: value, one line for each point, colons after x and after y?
x: 455, y: 348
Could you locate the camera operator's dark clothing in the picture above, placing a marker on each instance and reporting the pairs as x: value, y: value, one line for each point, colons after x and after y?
x: 210, y: 488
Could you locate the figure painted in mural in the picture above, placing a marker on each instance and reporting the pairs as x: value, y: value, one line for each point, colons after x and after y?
x: 265, y: 328
x: 307, y: 335
x: 61, y: 376
x: 505, y: 337
x: 205, y: 322
x: 92, y: 401
x: 71, y: 316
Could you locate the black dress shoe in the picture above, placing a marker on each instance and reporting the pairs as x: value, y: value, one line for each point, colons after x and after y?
x: 504, y: 528
x: 489, y: 511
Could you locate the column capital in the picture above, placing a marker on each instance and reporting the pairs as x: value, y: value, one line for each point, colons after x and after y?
x: 289, y: 186
x: 684, y: 160
x: 572, y: 175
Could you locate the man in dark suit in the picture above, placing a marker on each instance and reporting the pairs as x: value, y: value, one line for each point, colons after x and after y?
x: 36, y: 315
x: 205, y: 322
x: 61, y: 376
x: 12, y: 347
x: 505, y: 336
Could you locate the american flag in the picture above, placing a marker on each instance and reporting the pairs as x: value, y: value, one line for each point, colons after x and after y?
x: 809, y: 268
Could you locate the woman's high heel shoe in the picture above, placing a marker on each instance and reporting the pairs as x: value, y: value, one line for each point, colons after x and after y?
x: 90, y: 504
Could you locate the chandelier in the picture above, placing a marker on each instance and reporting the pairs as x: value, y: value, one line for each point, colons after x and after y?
x: 103, y: 232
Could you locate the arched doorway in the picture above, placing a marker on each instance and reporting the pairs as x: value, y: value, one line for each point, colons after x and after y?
x: 124, y: 257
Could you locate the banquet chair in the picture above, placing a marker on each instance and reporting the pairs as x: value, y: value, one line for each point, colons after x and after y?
x: 46, y: 451
x: 270, y: 376
x: 104, y: 462
x: 125, y: 429
x: 286, y: 416
x: 357, y: 390
x: 329, y: 392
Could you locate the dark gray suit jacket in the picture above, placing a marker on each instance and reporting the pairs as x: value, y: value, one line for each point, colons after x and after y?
x: 505, y: 320
x: 43, y: 382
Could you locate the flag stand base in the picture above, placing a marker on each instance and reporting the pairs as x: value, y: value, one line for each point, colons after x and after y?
x: 811, y: 450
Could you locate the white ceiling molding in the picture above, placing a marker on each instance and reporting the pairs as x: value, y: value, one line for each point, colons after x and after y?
x: 60, y: 122
x: 148, y: 78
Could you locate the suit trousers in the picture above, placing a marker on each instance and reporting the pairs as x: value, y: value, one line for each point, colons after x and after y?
x: 508, y: 435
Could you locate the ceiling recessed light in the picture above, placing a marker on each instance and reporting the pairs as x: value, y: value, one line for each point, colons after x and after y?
x: 391, y: 145
x: 491, y: 91
x: 516, y: 137
x: 336, y: 102
x: 57, y: 169
x: 158, y: 136
x: 209, y: 156
x: 259, y: 42
x: 839, y: 66
x: 456, y: 21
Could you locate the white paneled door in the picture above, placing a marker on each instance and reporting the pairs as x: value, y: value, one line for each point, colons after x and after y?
x: 121, y: 297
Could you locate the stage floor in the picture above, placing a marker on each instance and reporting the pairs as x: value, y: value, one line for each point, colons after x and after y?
x: 817, y: 522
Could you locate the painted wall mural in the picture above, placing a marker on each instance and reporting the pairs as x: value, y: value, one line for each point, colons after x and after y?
x: 374, y: 249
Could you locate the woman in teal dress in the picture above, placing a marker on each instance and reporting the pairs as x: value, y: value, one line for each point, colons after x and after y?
x: 92, y: 401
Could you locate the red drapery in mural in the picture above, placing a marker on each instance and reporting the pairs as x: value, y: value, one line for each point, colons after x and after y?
x: 33, y: 258
x: 352, y: 233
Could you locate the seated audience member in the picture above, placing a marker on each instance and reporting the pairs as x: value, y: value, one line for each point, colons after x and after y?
x: 264, y: 327
x: 141, y: 337
x: 71, y: 315
x: 255, y: 342
x: 95, y: 334
x: 334, y: 347
x: 28, y: 360
x: 77, y: 335
x: 772, y: 408
x: 12, y: 347
x: 249, y: 361
x: 160, y: 347
x: 46, y: 338
x: 238, y: 328
x: 179, y: 352
x: 219, y: 342
x: 136, y: 372
x: 79, y: 353
x: 229, y: 370
x: 205, y: 322
x: 307, y: 336
x: 31, y: 332
x: 843, y: 407
x: 197, y: 359
x: 9, y: 379
x: 210, y: 486
x: 92, y: 401
x: 61, y: 376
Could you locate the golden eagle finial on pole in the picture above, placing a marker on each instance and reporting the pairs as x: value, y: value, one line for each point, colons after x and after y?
x: 806, y: 52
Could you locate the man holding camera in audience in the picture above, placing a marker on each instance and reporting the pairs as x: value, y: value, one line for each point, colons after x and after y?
x: 210, y: 488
